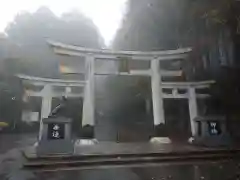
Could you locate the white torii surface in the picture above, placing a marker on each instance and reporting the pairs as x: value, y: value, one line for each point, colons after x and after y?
x: 155, y: 72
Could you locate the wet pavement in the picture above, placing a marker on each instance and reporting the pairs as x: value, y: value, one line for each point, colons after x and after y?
x: 11, y: 157
x: 11, y: 167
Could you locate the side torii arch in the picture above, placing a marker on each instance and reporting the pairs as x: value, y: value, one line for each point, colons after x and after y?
x: 155, y: 72
x: 47, y: 91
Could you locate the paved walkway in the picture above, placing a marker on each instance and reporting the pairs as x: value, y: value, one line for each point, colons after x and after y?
x: 11, y: 165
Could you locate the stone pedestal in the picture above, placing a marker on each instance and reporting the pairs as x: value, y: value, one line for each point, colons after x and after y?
x: 211, y: 131
x: 55, y: 137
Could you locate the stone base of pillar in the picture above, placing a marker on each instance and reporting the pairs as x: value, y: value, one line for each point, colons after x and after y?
x: 160, y: 130
x: 161, y: 135
x: 160, y: 140
x: 86, y: 142
x: 218, y: 141
x: 87, y: 132
x: 55, y: 147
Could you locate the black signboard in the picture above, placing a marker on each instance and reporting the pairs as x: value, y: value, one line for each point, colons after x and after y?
x: 55, y: 131
x: 214, y: 128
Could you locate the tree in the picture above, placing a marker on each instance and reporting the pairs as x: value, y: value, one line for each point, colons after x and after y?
x: 150, y: 25
x: 211, y: 28
x: 163, y: 24
x: 24, y: 49
x: 31, y: 30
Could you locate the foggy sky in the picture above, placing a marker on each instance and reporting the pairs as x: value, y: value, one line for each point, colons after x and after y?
x: 106, y: 14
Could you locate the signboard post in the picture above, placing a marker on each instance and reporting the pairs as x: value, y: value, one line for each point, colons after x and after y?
x: 56, y: 137
x: 211, y: 131
x: 214, y: 128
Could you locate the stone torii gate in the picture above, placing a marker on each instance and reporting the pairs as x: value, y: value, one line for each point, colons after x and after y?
x: 189, y: 93
x: 47, y: 91
x: 155, y: 72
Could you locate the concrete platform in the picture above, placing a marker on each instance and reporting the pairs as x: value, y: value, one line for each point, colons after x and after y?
x: 121, y: 155
x: 112, y: 148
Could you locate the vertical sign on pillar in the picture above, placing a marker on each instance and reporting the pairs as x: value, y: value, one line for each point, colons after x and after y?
x: 55, y: 131
x: 214, y: 128
x: 193, y: 110
x: 157, y: 98
x: 88, y: 102
x: 46, y: 105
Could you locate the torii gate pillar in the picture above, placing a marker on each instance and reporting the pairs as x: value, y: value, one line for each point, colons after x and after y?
x: 193, y: 108
x: 157, y: 97
x: 88, y: 102
x: 46, y: 105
